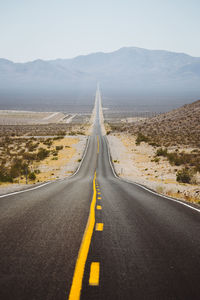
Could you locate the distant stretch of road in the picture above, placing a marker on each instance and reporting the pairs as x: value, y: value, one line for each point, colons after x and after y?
x: 95, y: 236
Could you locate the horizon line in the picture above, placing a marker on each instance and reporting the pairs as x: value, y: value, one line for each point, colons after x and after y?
x: 97, y: 52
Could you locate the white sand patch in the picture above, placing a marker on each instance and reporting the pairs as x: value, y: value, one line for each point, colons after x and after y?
x: 70, y: 118
x: 12, y: 117
x: 51, y: 116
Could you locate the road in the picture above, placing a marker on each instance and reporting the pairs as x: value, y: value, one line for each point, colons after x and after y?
x: 94, y: 236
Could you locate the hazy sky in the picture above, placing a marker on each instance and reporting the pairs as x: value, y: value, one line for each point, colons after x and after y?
x: 48, y: 29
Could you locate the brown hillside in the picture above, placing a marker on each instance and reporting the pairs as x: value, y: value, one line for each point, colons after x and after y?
x: 177, y: 127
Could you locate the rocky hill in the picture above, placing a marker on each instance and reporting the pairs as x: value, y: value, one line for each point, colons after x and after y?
x: 177, y: 127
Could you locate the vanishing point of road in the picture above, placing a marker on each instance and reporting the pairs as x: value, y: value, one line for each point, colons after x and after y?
x: 95, y: 236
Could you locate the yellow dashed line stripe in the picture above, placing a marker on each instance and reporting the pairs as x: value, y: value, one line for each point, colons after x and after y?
x: 94, y: 273
x: 76, y: 286
x: 99, y: 227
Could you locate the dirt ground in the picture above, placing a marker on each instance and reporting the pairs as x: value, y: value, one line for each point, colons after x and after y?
x: 136, y: 162
x: 67, y: 160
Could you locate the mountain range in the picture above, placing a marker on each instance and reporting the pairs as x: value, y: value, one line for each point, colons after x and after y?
x: 127, y: 75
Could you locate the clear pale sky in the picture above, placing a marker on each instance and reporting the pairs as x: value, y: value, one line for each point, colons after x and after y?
x: 49, y: 29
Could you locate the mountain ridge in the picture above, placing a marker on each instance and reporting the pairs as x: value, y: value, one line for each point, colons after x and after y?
x: 102, y: 52
x: 128, y: 72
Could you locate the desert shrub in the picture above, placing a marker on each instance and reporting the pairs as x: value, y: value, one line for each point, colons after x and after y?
x: 14, y: 171
x: 42, y: 154
x: 32, y: 176
x: 3, y: 162
x: 48, y: 142
x: 80, y: 132
x: 184, y: 176
x: 4, y: 176
x: 197, y: 168
x: 161, y: 152
x: 72, y: 133
x: 16, y: 168
x: 59, y: 147
x: 7, y: 140
x: 175, y: 159
x: 29, y: 156
x: 156, y: 160
x: 61, y: 133
x: 154, y: 144
x: 21, y: 152
x: 141, y: 138
x: 54, y: 153
x: 195, y: 151
x: 31, y: 147
x: 189, y: 159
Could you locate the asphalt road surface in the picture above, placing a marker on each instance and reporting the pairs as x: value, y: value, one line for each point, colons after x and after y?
x: 94, y: 236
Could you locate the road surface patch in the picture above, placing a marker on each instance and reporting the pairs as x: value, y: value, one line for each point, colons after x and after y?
x: 97, y: 144
x: 76, y: 286
x: 99, y: 227
x: 94, y: 273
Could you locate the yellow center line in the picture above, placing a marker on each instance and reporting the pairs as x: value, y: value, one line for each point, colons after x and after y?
x: 97, y: 144
x: 99, y: 227
x: 94, y: 273
x: 76, y: 286
x: 99, y: 207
